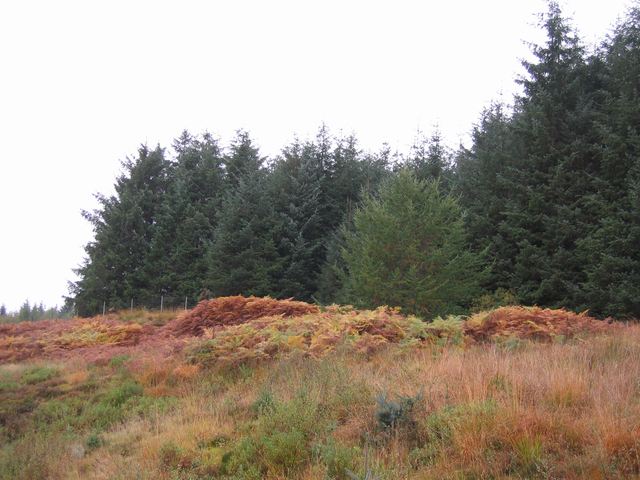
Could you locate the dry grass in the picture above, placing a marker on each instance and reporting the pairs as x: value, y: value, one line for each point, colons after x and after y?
x: 504, y: 408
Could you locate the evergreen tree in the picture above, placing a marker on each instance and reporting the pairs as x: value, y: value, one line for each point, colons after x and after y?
x: 613, y: 274
x: 483, y: 179
x: 243, y: 257
x: 430, y: 160
x: 176, y: 263
x: 243, y: 159
x: 25, y: 311
x: 3, y: 310
x: 124, y: 226
x: 408, y: 249
x: 295, y: 187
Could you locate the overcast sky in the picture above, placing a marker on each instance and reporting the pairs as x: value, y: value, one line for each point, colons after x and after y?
x: 82, y: 84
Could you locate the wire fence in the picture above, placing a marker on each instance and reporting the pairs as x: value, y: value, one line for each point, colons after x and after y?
x: 154, y: 302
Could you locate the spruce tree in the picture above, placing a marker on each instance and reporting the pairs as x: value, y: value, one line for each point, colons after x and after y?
x: 408, y: 248
x: 243, y: 257
x: 124, y: 225
x: 177, y: 259
x: 612, y: 286
x: 295, y: 187
x: 552, y: 171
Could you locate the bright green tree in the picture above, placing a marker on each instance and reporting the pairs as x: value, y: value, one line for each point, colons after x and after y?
x: 408, y: 248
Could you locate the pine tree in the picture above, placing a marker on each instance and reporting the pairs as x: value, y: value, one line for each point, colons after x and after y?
x: 243, y: 258
x: 483, y: 181
x: 408, y: 249
x: 242, y: 160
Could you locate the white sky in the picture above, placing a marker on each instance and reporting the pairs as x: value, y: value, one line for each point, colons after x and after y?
x: 83, y: 83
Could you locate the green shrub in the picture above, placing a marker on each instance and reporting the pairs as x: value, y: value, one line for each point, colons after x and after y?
x: 119, y: 394
x: 490, y: 301
x: 392, y: 414
x: 285, y: 452
x: 170, y: 456
x: 338, y: 459
x: 118, y: 361
x: 39, y: 374
x: 264, y: 403
x: 440, y: 425
x: 93, y: 441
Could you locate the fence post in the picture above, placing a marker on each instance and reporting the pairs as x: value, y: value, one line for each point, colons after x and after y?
x: 161, y: 301
x: 185, y: 303
x: 104, y: 306
x: 132, y: 304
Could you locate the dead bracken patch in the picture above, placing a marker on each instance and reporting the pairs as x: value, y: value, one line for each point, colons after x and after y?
x: 225, y: 311
x: 531, y: 323
x: 318, y: 334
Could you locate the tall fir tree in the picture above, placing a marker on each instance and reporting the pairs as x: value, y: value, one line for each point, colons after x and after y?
x: 552, y: 170
x: 177, y: 259
x: 124, y: 226
x: 613, y: 274
x: 243, y: 257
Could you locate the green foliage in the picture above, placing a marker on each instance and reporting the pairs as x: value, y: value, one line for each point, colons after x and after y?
x: 408, y: 249
x: 94, y: 441
x: 119, y: 394
x: 264, y: 403
x: 171, y: 456
x: 124, y: 227
x: 546, y: 196
x: 337, y: 458
x: 549, y: 186
x: 438, y: 427
x: 490, y: 301
x: 393, y: 414
x: 39, y: 374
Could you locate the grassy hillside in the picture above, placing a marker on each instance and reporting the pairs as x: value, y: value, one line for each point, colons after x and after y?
x: 307, y: 394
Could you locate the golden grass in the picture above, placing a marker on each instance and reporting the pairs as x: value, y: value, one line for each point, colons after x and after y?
x: 554, y: 409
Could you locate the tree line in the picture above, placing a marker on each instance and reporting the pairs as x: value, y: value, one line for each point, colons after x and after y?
x: 35, y: 311
x: 542, y: 207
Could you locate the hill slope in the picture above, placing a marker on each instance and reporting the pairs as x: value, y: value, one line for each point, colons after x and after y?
x: 512, y: 393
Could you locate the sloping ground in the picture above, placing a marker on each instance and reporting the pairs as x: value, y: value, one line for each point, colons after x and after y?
x: 234, y: 329
x: 225, y: 311
x: 532, y: 323
x: 19, y: 341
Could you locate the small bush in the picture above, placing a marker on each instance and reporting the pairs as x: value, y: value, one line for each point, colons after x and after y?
x: 118, y: 395
x: 264, y: 403
x: 39, y: 374
x: 391, y: 414
x: 170, y: 456
x: 337, y: 459
x: 285, y: 452
x: 93, y: 441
